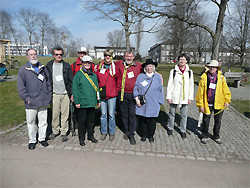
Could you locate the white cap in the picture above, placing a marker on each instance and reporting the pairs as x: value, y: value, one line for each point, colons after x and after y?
x: 213, y: 63
x: 87, y: 58
x: 82, y: 49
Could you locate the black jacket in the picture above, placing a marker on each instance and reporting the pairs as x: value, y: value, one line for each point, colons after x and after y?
x: 67, y: 75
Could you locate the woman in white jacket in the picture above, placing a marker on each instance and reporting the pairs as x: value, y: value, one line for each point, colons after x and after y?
x: 180, y: 92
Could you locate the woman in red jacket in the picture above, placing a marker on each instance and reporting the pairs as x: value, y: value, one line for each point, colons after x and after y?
x: 108, y: 91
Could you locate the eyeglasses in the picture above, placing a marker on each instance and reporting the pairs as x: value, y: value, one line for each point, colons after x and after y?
x: 107, y: 55
x: 58, y: 54
x: 86, y: 62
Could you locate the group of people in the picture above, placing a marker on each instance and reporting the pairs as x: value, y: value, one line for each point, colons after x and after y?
x: 125, y: 87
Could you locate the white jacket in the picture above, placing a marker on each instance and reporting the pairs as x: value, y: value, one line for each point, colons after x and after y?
x: 175, y: 88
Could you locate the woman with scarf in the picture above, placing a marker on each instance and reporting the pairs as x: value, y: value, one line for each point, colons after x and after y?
x: 86, y: 96
x: 148, y: 84
x: 213, y: 95
x: 108, y: 93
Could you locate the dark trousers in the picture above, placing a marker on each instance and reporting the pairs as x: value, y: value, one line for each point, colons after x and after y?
x: 217, y: 123
x: 148, y: 126
x: 86, y: 121
x: 127, y: 109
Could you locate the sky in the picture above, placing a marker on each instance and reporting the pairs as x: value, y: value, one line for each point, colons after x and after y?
x: 80, y: 22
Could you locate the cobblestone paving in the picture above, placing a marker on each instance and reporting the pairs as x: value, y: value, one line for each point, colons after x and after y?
x: 234, y: 134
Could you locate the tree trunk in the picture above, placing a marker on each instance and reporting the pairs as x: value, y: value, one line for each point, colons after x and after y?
x: 42, y: 42
x: 219, y: 30
x: 126, y: 14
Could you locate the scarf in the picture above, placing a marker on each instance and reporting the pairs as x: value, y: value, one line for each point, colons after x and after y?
x: 111, y: 68
x: 211, y: 92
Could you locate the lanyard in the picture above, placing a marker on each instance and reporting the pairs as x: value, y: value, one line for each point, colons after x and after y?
x: 123, y: 81
x: 183, y: 86
x: 90, y: 80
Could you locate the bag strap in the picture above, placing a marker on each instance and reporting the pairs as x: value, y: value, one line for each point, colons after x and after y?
x: 149, y: 85
x: 123, y: 80
x: 90, y: 80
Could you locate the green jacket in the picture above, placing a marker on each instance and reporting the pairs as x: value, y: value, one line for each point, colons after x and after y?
x: 83, y: 91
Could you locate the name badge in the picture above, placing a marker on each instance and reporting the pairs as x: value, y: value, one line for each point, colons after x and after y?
x: 131, y: 75
x: 144, y: 83
x: 59, y: 78
x: 212, y: 86
x: 40, y: 77
x: 102, y: 71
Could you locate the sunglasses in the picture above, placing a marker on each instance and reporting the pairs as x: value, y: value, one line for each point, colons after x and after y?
x: 107, y: 55
x: 58, y: 54
x: 86, y: 62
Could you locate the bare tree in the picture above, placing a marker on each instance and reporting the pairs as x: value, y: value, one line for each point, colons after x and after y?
x: 237, y: 29
x: 118, y: 11
x: 5, y: 29
x: 45, y: 23
x: 139, y: 35
x: 28, y: 19
x: 116, y: 39
x: 156, y: 9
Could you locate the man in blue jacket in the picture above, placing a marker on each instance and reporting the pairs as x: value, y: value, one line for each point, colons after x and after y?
x: 61, y: 77
x: 34, y: 88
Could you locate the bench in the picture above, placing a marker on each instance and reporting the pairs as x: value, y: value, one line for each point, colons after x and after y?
x: 235, y: 76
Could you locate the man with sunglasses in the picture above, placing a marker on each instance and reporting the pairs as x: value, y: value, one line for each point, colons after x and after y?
x: 61, y: 77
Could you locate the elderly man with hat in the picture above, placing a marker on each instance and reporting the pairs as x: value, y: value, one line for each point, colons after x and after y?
x: 213, y: 95
x: 76, y: 66
x: 180, y: 93
x: 149, y: 85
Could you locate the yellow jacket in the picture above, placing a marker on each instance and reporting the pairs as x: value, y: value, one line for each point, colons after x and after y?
x: 222, y: 93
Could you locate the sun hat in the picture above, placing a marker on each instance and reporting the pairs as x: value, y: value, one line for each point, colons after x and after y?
x: 213, y: 63
x: 149, y: 61
x: 87, y: 58
x: 82, y: 49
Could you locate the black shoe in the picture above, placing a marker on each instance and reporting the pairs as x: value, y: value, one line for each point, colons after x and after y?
x: 125, y: 137
x: 170, y: 132
x: 32, y: 146
x: 82, y: 143
x: 64, y: 138
x: 44, y: 143
x: 151, y: 140
x: 132, y: 140
x: 143, y: 139
x: 52, y: 136
x: 183, y: 135
x: 92, y: 139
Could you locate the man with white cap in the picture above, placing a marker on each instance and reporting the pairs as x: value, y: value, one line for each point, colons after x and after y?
x: 213, y: 95
x: 76, y: 66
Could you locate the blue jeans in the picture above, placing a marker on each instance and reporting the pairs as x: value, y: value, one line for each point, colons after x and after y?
x: 184, y: 111
x: 108, y: 107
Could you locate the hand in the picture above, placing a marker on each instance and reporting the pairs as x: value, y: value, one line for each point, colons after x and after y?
x: 202, y: 109
x: 98, y: 105
x: 189, y: 101
x: 138, y: 103
x: 78, y: 105
x: 71, y: 98
x: 28, y: 102
x: 226, y: 105
x: 170, y: 101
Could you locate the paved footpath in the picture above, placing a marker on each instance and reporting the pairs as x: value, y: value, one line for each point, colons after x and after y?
x: 234, y: 134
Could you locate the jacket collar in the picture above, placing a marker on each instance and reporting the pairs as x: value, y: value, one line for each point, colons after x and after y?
x: 29, y: 67
x: 178, y: 70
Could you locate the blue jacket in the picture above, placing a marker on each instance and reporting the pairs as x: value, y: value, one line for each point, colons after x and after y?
x: 154, y: 96
x: 31, y: 88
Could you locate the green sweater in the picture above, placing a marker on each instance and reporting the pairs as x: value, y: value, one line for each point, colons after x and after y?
x: 83, y: 92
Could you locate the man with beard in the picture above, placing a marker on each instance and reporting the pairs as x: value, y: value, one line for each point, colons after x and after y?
x: 34, y: 88
x: 127, y: 71
x: 61, y: 77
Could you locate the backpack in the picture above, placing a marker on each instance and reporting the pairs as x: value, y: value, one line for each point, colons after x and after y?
x: 189, y: 72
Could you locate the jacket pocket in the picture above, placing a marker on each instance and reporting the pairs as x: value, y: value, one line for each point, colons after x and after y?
x: 34, y: 98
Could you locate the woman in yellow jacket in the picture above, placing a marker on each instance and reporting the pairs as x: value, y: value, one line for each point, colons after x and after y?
x: 213, y: 95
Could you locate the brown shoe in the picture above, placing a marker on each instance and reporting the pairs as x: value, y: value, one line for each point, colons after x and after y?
x: 111, y: 137
x: 103, y: 136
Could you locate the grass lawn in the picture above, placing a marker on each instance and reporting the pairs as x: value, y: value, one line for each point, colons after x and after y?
x: 243, y: 106
x: 12, y: 107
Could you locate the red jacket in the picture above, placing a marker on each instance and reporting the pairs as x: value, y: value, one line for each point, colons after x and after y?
x: 133, y: 71
x: 76, y: 66
x: 104, y: 78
